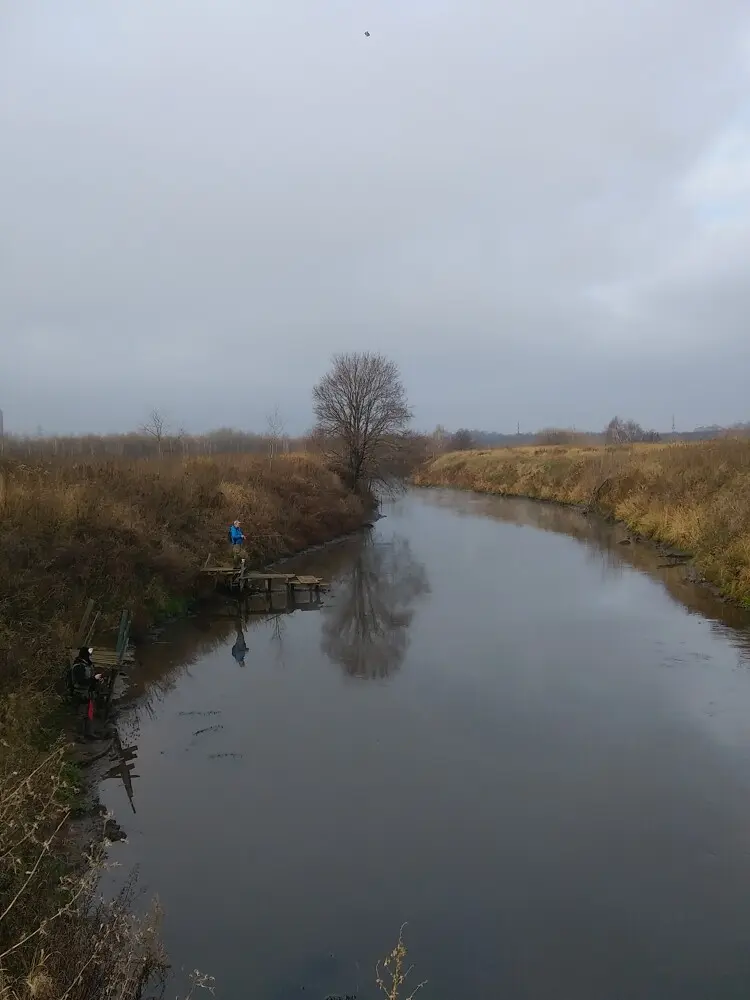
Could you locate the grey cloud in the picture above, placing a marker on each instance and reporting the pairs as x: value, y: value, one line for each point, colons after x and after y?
x: 202, y: 201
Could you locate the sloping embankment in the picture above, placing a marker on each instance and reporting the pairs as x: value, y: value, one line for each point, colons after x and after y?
x: 135, y: 533
x: 694, y: 496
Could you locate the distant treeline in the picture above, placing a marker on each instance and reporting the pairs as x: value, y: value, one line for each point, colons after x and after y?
x: 140, y: 444
x: 555, y: 435
x: 153, y: 440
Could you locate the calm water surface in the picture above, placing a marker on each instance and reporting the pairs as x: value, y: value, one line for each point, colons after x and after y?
x: 527, y: 740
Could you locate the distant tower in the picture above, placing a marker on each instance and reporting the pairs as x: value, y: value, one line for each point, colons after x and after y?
x: 518, y: 428
x: 673, y: 423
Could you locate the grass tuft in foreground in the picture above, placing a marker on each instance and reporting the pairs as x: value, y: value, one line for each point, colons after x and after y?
x: 392, y: 973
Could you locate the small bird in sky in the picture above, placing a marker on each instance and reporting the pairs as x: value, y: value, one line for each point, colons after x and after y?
x: 367, y: 34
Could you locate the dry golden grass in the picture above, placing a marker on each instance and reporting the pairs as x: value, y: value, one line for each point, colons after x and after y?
x: 135, y: 533
x: 128, y: 533
x: 695, y: 496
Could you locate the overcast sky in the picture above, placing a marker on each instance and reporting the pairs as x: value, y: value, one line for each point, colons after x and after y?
x: 539, y: 208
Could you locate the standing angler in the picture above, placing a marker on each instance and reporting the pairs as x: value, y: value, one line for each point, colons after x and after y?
x: 84, y: 683
x: 236, y: 541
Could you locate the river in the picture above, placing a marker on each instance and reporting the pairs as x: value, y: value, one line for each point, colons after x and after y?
x: 504, y: 727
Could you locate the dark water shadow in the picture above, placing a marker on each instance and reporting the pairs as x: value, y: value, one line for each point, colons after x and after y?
x: 172, y: 651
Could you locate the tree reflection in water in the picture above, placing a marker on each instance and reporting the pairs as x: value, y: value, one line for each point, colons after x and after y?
x: 365, y: 626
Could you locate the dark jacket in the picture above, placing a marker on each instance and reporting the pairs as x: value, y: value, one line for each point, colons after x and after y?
x: 82, y: 679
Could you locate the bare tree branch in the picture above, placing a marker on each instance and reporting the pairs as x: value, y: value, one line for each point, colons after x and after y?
x: 276, y: 436
x: 156, y: 427
x: 627, y: 432
x: 462, y: 440
x: 362, y: 412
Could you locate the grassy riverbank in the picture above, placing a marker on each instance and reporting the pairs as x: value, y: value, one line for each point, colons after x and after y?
x: 694, y: 496
x: 127, y: 533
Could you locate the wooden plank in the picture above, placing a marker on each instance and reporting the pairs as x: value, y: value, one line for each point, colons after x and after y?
x: 237, y: 576
x: 102, y: 657
x: 83, y: 627
x: 92, y: 627
x: 122, y: 635
x: 248, y: 574
x: 269, y: 576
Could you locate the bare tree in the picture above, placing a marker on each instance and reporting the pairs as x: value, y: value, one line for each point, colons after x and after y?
x: 275, y: 426
x: 183, y: 440
x: 437, y: 442
x: 619, y: 431
x: 462, y: 440
x: 156, y: 428
x: 628, y: 432
x: 559, y: 435
x: 362, y: 413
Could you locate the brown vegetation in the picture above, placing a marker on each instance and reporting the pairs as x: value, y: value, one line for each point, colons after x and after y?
x: 462, y: 440
x: 393, y: 972
x: 57, y: 939
x: 619, y: 431
x: 694, y: 496
x: 127, y: 533
x: 155, y: 438
x: 135, y: 533
x: 564, y: 435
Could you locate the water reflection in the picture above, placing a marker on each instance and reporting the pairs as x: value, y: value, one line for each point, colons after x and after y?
x: 365, y: 628
x: 612, y: 791
x: 239, y: 649
x: 172, y: 650
x: 606, y: 546
x: 122, y: 759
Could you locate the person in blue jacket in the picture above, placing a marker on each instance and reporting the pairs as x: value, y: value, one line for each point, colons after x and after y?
x: 237, y: 541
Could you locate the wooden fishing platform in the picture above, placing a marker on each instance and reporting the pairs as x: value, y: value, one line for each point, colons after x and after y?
x: 112, y: 659
x: 253, y: 581
x: 110, y: 662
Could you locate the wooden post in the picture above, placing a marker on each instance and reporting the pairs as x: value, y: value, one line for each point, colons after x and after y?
x: 90, y: 635
x: 122, y: 636
x: 83, y: 627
